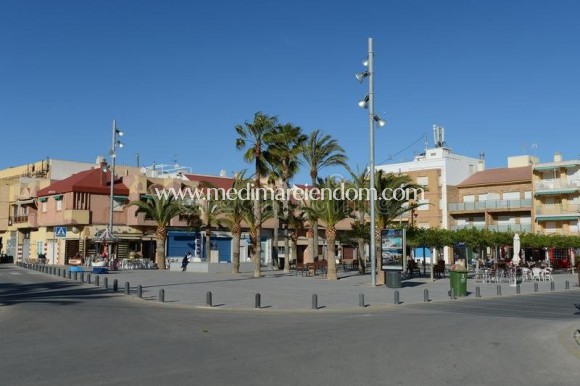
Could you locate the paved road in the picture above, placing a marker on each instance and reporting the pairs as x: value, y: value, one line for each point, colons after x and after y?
x: 56, y: 332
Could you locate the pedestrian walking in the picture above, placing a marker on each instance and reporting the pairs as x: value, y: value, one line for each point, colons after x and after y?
x: 185, y: 261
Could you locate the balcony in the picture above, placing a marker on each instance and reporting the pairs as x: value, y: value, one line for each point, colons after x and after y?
x: 558, y: 212
x: 77, y: 216
x: 491, y: 205
x: 556, y: 187
x: 23, y: 221
x: 510, y: 227
x: 496, y: 227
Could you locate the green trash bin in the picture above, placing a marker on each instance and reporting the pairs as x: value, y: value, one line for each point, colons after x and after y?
x: 458, y: 280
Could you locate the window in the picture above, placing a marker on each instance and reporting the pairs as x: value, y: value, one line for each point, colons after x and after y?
x: 550, y: 227
x: 59, y: 205
x: 528, y: 195
x: 43, y: 206
x: 469, y: 198
x: 482, y: 197
x: 424, y: 205
x: 511, y: 195
x: 423, y: 181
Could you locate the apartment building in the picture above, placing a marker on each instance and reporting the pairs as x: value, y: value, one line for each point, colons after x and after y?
x: 556, y: 201
x: 439, y: 170
x: 497, y: 199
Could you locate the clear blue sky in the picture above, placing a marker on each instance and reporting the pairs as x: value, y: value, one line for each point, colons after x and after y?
x: 500, y: 76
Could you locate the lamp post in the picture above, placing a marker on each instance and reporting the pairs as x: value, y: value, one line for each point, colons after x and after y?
x: 369, y: 102
x: 115, y: 143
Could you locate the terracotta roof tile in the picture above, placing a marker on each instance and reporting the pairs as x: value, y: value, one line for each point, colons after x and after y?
x: 87, y: 181
x: 498, y: 176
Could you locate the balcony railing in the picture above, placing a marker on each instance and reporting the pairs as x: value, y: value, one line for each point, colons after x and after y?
x: 557, y: 185
x: 23, y: 221
x: 558, y: 209
x: 490, y: 205
x: 496, y: 227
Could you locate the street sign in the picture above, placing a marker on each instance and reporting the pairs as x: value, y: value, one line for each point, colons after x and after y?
x: 60, y: 232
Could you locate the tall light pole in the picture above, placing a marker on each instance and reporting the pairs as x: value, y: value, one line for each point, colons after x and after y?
x: 115, y: 143
x: 369, y: 102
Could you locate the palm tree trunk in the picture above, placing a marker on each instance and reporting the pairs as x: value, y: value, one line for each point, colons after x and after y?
x: 257, y: 250
x: 310, y: 246
x: 160, y: 253
x: 361, y: 256
x: 315, y: 240
x: 236, y: 253
x: 276, y: 236
x: 286, y: 235
x: 294, y: 240
x: 330, y: 253
x: 208, y: 244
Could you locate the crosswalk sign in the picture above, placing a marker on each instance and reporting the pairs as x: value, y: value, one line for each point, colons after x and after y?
x: 60, y: 232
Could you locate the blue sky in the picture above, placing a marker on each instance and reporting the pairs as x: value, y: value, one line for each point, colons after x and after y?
x: 502, y: 77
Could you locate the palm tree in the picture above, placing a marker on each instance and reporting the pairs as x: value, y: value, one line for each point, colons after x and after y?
x: 252, y: 135
x: 360, y: 231
x: 161, y: 210
x: 320, y: 151
x: 330, y: 211
x: 234, y: 212
x: 295, y: 225
x: 286, y: 145
x: 209, y: 216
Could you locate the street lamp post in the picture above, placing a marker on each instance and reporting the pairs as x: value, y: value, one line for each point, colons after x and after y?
x: 369, y: 102
x: 115, y: 143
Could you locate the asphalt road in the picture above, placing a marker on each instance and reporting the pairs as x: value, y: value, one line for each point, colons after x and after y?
x: 57, y: 332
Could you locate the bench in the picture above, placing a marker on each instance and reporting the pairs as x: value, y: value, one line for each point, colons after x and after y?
x: 439, y: 269
x: 412, y: 268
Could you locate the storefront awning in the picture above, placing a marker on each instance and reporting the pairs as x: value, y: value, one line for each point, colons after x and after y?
x: 557, y: 218
x: 556, y: 191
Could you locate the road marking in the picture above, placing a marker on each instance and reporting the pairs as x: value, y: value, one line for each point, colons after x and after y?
x: 15, y: 273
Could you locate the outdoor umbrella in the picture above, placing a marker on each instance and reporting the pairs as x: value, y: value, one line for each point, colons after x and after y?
x: 516, y: 258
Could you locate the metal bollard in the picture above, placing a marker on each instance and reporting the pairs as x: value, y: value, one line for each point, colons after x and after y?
x: 64, y: 273
x: 69, y: 274
x: 127, y: 288
x: 82, y: 277
x: 452, y: 294
x: 567, y: 285
x: 59, y: 273
x: 162, y: 295
x: 106, y: 282
x: 97, y: 280
x: 535, y: 287
x: 426, y: 295
x: 499, y: 290
x: 518, y: 289
x: 75, y: 276
x: 89, y: 278
x: 477, y: 292
x: 115, y: 285
x: 139, y: 291
x: 258, y: 301
x: 314, y: 301
x: 208, y: 299
x: 361, y: 300
x: 396, y: 300
x: 552, y: 286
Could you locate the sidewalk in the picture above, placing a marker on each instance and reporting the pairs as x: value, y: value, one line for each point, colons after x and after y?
x: 281, y: 291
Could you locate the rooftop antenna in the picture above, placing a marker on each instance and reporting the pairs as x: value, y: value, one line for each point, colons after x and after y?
x: 439, y: 136
x: 426, y: 144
